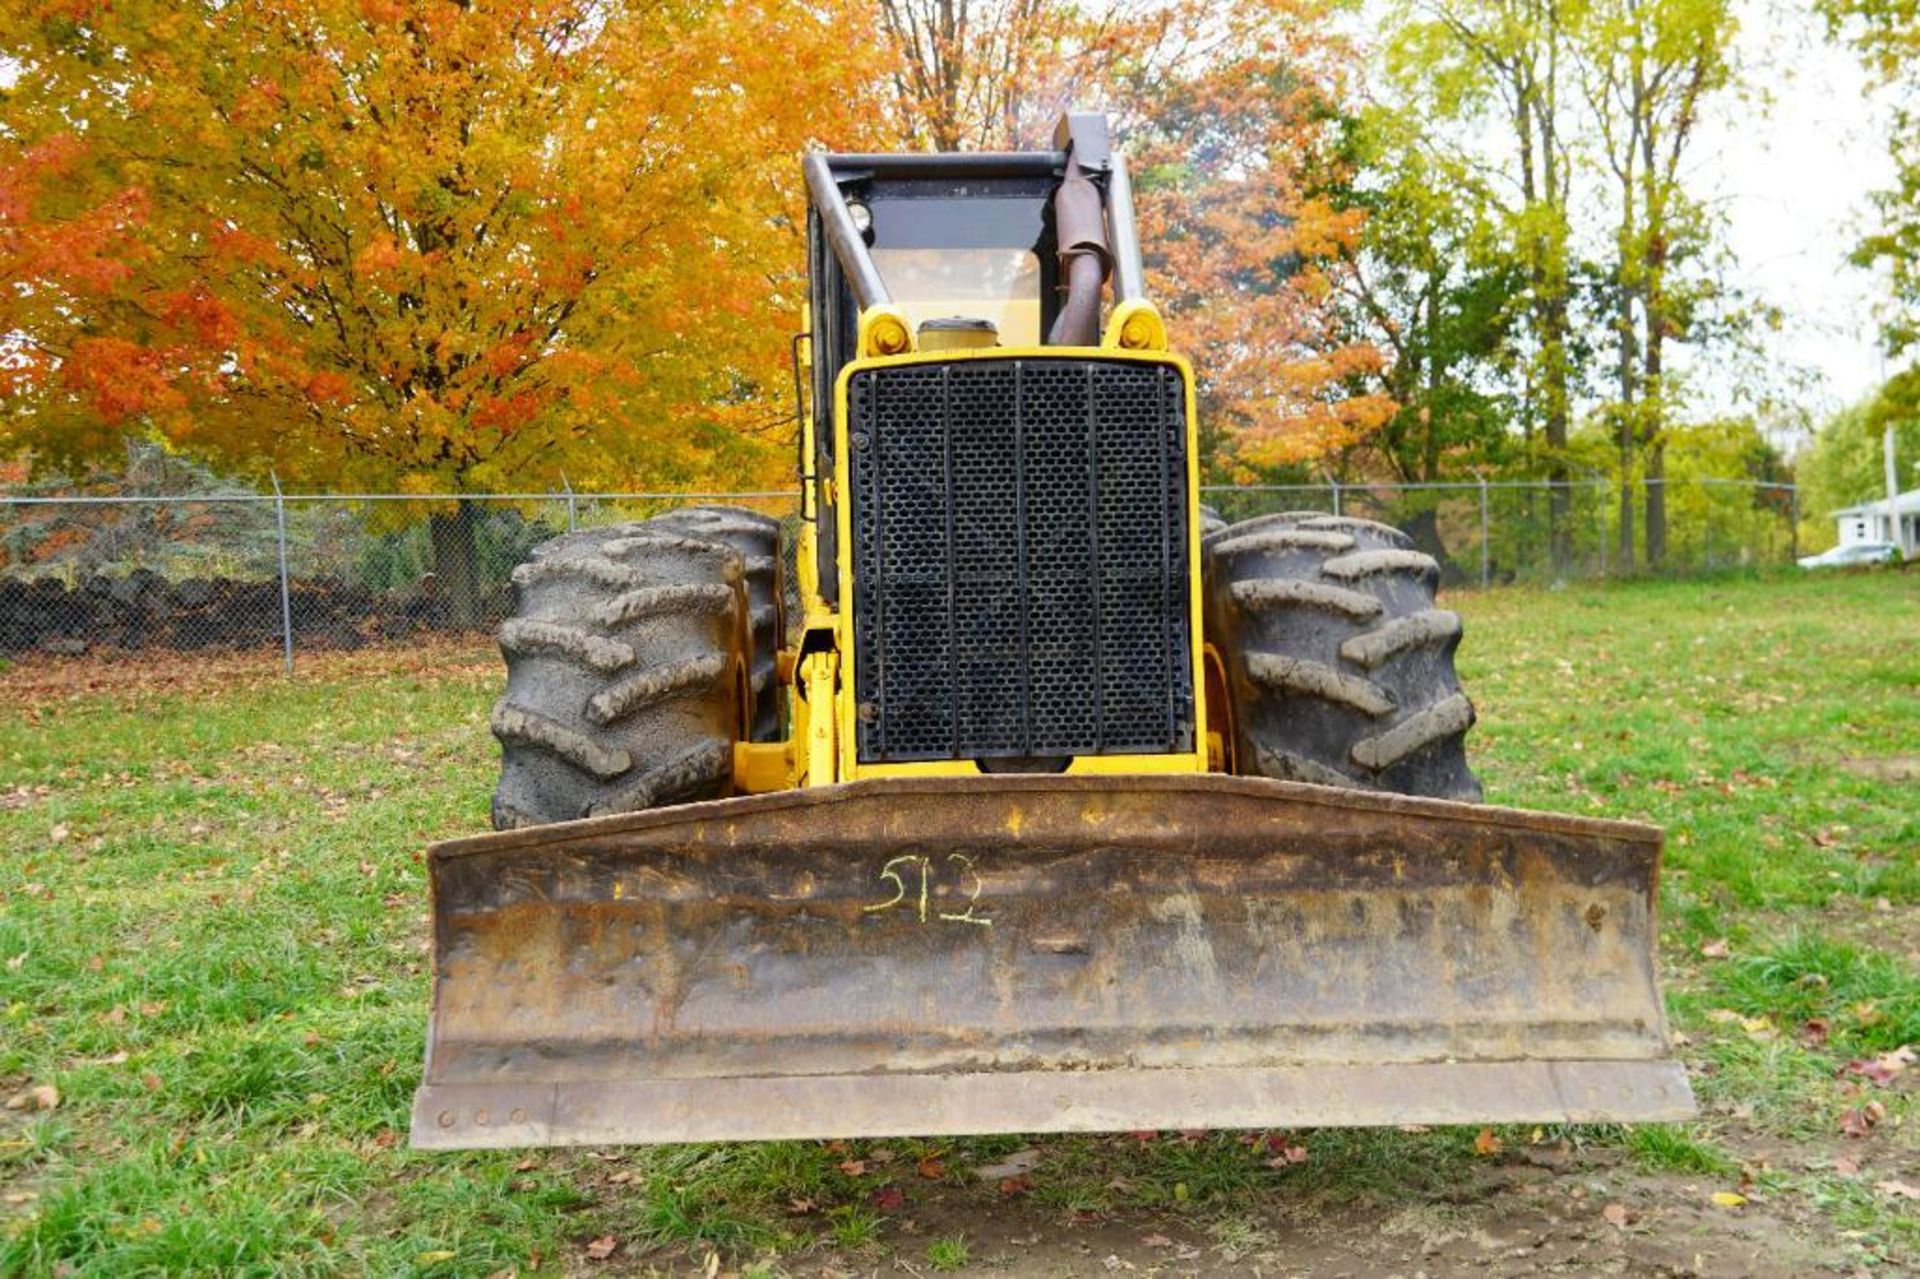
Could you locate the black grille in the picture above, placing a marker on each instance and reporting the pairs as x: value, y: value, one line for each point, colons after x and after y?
x: 1020, y: 559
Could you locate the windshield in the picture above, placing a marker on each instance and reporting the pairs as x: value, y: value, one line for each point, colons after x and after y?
x: 997, y: 284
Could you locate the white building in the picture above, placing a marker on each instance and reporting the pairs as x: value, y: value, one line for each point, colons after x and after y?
x: 1870, y: 522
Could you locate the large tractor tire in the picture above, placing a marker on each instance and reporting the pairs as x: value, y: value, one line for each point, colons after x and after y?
x: 1338, y: 667
x: 626, y: 669
x: 757, y: 538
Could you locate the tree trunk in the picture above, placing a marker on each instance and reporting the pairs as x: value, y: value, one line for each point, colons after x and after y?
x: 1623, y: 325
x: 1424, y: 529
x: 456, y: 579
x: 1552, y: 294
x: 1656, y: 461
x: 1653, y: 401
x: 1559, y: 398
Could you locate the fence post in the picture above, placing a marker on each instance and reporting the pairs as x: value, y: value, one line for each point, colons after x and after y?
x: 1600, y: 496
x: 1793, y: 530
x: 573, y: 522
x: 1486, y: 560
x: 1333, y: 487
x: 286, y: 597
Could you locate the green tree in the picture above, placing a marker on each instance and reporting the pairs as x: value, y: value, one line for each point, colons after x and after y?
x: 1886, y: 34
x: 1648, y: 68
x: 1502, y: 68
x: 1431, y: 288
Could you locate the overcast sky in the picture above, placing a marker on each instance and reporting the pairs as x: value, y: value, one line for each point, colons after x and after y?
x: 1793, y: 177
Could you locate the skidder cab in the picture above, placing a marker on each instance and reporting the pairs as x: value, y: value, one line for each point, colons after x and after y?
x: 1054, y: 805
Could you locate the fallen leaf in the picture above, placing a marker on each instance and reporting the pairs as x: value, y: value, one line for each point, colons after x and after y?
x: 603, y: 1247
x: 526, y: 1165
x: 1486, y: 1144
x: 436, y: 1255
x: 880, y: 1155
x: 1156, y: 1241
x: 1014, y: 1187
x: 1824, y: 838
x: 1813, y: 1032
x: 1616, y: 1214
x: 799, y: 1207
x: 853, y: 1167
x: 385, y: 1139
x: 1884, y: 1068
x: 932, y: 1169
x: 59, y: 833
x: 1017, y: 1164
x: 1898, y: 1189
x: 1846, y: 1167
x: 38, y: 1097
x: 1870, y: 1071
x: 1287, y: 1156
x: 1727, y: 1199
x: 1861, y: 1120
x: 1719, y: 948
x: 888, y: 1199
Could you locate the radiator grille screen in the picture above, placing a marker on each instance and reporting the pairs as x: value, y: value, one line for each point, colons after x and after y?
x: 1020, y: 559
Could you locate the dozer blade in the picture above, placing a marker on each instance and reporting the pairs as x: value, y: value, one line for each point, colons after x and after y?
x: 1042, y: 953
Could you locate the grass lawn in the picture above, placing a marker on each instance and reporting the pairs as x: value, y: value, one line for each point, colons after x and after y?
x: 213, y: 988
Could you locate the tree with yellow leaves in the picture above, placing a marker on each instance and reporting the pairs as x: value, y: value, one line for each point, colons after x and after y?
x: 426, y: 245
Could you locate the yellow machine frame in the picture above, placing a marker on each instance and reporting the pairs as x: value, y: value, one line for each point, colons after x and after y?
x: 821, y: 749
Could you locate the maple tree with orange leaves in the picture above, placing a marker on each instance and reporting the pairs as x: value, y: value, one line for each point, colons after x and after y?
x: 410, y: 245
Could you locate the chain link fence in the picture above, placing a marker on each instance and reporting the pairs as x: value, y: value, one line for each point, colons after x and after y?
x: 228, y: 570
x: 1495, y: 532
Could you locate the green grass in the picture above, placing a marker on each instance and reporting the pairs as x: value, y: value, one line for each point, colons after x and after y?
x: 947, y: 1254
x: 1672, y: 1148
x: 211, y: 942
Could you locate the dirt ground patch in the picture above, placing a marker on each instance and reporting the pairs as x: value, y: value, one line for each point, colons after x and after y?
x: 1548, y: 1211
x: 1891, y: 768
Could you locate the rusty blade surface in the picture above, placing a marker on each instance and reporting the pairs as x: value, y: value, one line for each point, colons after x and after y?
x: 1022, y: 953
